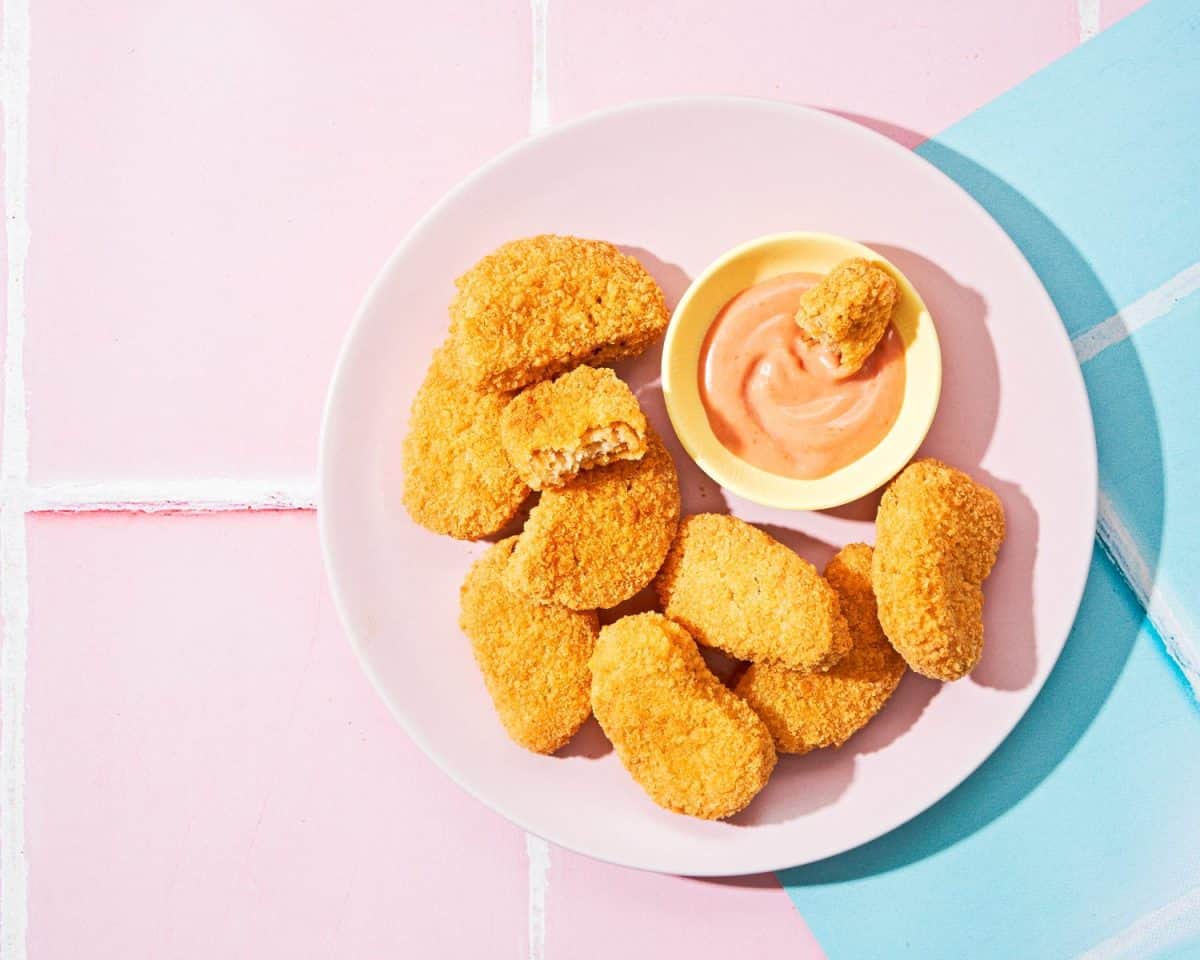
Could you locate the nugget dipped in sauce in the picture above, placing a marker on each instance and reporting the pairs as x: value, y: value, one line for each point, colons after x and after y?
x: 738, y: 589
x: 848, y: 312
x: 937, y: 536
x: 805, y: 711
x: 692, y: 744
x: 586, y: 418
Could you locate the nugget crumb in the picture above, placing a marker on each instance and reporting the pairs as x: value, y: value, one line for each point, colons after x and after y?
x: 536, y: 307
x: 586, y: 418
x: 694, y: 746
x: 738, y: 589
x: 849, y: 310
x: 533, y: 656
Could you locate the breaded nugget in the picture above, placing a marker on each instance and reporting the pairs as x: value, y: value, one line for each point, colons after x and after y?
x: 539, y: 306
x: 457, y: 479
x: 937, y: 535
x: 737, y: 589
x: 805, y: 711
x: 848, y: 312
x: 533, y: 656
x: 601, y: 538
x: 586, y: 418
x: 690, y: 743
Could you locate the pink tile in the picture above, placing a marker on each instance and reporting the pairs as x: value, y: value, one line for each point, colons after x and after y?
x: 915, y: 66
x: 212, y: 189
x: 599, y: 911
x: 1113, y: 10
x: 210, y: 774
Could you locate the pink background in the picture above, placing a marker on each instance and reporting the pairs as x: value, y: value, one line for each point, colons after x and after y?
x: 210, y: 190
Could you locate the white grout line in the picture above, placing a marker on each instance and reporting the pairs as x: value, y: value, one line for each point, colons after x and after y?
x: 211, y: 495
x: 538, y: 851
x: 1153, y: 305
x: 1175, y: 924
x: 1089, y: 19
x: 14, y: 464
x: 539, y: 98
x: 1152, y: 591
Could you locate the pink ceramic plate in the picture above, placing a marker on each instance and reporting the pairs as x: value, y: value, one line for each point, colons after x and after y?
x: 676, y: 183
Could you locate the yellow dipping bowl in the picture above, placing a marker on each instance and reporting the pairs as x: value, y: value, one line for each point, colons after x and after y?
x: 743, y: 267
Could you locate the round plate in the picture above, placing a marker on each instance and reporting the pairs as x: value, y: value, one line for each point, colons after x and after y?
x: 676, y: 183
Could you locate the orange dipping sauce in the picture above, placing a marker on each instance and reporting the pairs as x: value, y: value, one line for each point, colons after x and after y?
x: 777, y: 402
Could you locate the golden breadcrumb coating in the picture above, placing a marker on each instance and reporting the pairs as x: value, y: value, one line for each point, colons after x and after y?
x: 849, y: 311
x: 737, y: 589
x: 937, y: 534
x: 690, y: 743
x: 457, y: 479
x: 805, y: 711
x: 539, y: 306
x: 586, y: 418
x: 601, y: 538
x: 533, y: 656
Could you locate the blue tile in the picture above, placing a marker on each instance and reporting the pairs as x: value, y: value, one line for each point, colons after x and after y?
x: 1145, y: 396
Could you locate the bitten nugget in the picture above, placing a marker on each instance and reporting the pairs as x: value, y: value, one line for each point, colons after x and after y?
x: 848, y: 312
x: 539, y: 306
x: 534, y: 657
x: 807, y: 711
x: 690, y: 743
x: 937, y: 536
x: 586, y: 418
x: 457, y: 479
x: 737, y: 589
x: 602, y: 537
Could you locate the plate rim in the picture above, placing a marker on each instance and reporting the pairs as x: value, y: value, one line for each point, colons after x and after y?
x: 337, y: 384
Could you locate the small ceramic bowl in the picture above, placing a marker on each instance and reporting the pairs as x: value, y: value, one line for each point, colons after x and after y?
x: 760, y: 260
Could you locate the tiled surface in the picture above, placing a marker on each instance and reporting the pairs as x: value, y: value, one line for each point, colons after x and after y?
x: 210, y: 774
x: 213, y: 188
x: 1113, y: 10
x: 598, y: 911
x: 910, y: 68
x: 1148, y: 367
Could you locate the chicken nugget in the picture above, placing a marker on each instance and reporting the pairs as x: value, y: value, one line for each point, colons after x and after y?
x: 805, y: 711
x: 539, y: 306
x: 533, y: 656
x: 457, y: 479
x: 586, y: 418
x: 693, y: 745
x: 937, y: 536
x: 737, y: 589
x: 849, y: 310
x: 601, y: 538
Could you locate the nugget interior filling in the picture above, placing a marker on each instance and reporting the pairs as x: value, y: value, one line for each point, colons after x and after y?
x: 596, y: 448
